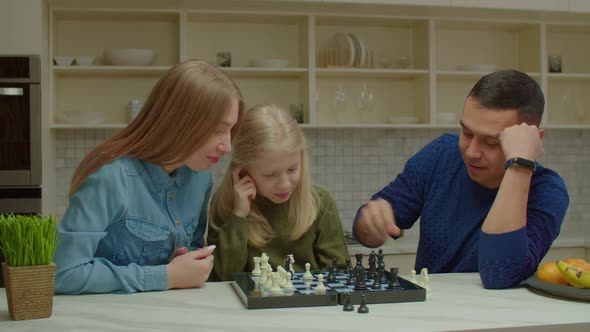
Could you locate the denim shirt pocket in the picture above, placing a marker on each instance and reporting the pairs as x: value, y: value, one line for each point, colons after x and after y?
x: 143, y: 242
x: 191, y: 228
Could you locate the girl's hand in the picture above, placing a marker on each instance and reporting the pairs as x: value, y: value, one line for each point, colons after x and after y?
x: 244, y: 193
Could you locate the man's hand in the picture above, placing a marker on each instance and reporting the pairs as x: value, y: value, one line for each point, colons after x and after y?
x: 376, y: 223
x: 522, y: 141
x: 190, y: 270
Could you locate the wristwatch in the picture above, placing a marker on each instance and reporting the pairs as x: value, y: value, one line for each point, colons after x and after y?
x: 521, y: 162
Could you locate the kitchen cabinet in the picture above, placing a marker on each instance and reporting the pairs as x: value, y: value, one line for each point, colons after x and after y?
x: 417, y: 69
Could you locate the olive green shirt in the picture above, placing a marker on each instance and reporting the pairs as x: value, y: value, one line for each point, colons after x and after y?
x: 322, y: 242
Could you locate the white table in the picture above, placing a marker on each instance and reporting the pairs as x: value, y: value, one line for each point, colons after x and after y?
x: 457, y: 302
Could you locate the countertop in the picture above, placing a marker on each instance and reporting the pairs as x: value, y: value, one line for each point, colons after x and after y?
x: 457, y: 302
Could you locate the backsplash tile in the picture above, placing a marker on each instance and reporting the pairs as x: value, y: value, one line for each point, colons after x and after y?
x: 355, y: 163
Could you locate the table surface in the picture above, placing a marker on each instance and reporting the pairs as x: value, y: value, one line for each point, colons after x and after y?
x: 457, y: 302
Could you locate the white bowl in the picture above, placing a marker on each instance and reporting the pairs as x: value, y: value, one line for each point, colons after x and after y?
x: 129, y: 56
x: 446, y: 118
x: 485, y: 67
x: 83, y: 117
x: 270, y: 63
x: 84, y: 60
x: 404, y: 119
x: 63, y: 60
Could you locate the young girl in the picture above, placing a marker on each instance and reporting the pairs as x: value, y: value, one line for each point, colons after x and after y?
x: 138, y: 202
x: 266, y: 202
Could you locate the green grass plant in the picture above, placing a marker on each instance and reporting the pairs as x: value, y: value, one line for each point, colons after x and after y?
x: 28, y: 240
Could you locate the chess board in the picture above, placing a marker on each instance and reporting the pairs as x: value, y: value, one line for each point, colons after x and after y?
x: 255, y: 297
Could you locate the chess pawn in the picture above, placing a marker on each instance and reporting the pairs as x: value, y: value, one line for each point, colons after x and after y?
x: 289, y: 287
x: 347, y: 305
x: 363, y: 309
x: 348, y: 267
x: 263, y: 277
x: 307, y: 276
x: 269, y: 273
x: 320, y: 288
x: 423, y: 275
x: 275, y: 288
x: 413, y: 277
x: 426, y: 283
x: 256, y: 271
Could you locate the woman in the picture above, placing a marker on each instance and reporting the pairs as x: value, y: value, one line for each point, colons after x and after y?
x: 138, y: 202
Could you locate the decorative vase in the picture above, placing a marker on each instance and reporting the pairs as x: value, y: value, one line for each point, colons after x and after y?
x: 29, y: 290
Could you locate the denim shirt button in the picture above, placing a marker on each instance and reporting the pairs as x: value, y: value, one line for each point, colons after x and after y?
x: 170, y: 196
x: 177, y: 222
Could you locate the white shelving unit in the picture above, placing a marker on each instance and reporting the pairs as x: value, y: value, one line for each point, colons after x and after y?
x: 429, y: 83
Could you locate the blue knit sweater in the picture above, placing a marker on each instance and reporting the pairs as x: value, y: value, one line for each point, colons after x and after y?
x: 435, y: 187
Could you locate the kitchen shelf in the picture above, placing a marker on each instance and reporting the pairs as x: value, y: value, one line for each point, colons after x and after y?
x: 414, y: 70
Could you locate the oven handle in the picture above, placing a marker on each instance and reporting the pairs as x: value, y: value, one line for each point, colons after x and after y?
x: 11, y: 91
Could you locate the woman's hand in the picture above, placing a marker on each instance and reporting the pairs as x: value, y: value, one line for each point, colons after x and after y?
x: 190, y: 270
x: 244, y: 192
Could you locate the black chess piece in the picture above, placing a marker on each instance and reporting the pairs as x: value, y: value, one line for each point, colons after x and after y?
x: 376, y: 282
x: 363, y: 309
x: 393, y: 279
x: 372, y: 265
x: 360, y: 281
x: 359, y: 261
x: 332, y: 271
x: 348, y: 267
x: 347, y: 305
x: 351, y: 278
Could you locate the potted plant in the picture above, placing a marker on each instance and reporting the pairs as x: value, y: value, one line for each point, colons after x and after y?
x: 28, y: 243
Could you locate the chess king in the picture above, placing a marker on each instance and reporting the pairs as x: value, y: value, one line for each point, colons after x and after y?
x: 266, y: 201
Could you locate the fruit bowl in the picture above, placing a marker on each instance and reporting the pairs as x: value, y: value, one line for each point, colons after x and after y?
x: 569, y: 292
x: 129, y: 56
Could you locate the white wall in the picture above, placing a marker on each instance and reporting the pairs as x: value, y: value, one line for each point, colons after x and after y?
x: 21, y: 27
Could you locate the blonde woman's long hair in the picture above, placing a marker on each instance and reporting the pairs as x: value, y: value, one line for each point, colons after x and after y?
x: 267, y: 128
x: 181, y: 113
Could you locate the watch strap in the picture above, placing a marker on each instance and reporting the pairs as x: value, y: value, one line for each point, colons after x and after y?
x: 521, y: 162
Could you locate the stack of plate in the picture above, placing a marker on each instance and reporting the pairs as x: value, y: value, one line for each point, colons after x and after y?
x: 353, y: 46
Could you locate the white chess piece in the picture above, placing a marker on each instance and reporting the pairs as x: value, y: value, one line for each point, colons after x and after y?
x: 263, y: 277
x: 263, y: 260
x: 307, y: 276
x: 426, y: 283
x: 256, y: 271
x: 289, y: 287
x: 413, y: 277
x: 320, y: 288
x: 275, y: 288
x: 269, y: 272
x: 423, y: 272
x: 423, y: 275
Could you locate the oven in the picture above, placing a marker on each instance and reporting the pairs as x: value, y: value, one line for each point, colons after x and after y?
x: 20, y: 135
x: 20, y: 121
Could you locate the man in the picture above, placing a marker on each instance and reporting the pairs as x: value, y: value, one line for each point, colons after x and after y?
x: 484, y: 202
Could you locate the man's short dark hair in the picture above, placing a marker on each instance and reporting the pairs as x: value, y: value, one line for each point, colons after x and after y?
x: 511, y: 89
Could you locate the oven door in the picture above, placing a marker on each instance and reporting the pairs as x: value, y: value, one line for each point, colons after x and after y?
x: 20, y: 134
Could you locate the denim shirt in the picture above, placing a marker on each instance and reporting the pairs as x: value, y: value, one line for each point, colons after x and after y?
x: 124, y: 223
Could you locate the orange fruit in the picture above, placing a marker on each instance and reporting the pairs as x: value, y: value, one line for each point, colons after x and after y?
x: 549, y: 272
x: 578, y: 263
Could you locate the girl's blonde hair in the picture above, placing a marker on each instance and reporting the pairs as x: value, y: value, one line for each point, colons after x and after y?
x: 181, y: 113
x: 267, y: 128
